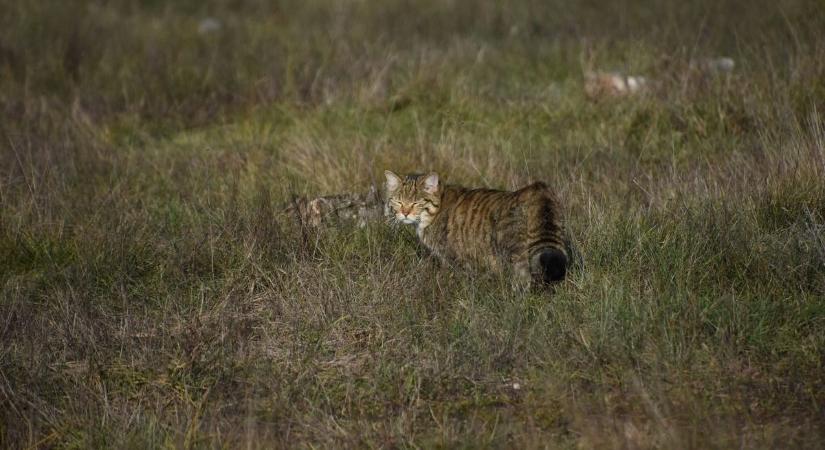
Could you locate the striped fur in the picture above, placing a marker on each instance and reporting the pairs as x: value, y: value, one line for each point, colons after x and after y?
x: 518, y: 231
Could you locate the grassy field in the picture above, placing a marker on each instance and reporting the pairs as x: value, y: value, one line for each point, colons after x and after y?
x: 152, y: 293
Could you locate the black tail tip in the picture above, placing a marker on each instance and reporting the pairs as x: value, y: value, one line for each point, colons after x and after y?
x: 553, y: 265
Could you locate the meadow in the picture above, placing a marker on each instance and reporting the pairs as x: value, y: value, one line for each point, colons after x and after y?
x: 153, y: 294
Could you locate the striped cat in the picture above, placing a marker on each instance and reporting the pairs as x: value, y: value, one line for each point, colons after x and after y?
x: 518, y: 231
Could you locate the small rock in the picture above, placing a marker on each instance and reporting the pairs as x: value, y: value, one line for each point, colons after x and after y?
x: 719, y: 65
x: 209, y: 25
x: 605, y: 84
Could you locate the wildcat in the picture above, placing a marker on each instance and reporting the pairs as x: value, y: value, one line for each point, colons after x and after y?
x: 357, y: 208
x: 519, y: 231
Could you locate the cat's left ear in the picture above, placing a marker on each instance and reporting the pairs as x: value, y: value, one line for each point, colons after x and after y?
x: 431, y: 183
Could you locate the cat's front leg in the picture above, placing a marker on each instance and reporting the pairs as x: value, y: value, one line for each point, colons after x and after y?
x: 440, y: 259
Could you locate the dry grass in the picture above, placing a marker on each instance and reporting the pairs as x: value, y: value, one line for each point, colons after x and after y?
x: 152, y: 294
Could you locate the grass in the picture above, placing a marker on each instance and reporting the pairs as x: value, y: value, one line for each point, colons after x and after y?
x: 152, y: 294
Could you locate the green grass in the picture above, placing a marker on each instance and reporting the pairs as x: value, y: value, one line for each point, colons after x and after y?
x: 152, y: 293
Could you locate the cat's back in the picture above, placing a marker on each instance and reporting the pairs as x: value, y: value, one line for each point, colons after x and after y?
x: 471, y: 215
x: 463, y: 204
x: 491, y: 202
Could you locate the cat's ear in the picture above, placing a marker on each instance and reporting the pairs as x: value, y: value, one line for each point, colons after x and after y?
x: 431, y: 183
x: 393, y: 181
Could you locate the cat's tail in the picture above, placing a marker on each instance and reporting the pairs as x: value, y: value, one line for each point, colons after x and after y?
x: 548, y: 258
x: 549, y: 265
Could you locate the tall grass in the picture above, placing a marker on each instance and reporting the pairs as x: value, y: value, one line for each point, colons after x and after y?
x: 153, y: 294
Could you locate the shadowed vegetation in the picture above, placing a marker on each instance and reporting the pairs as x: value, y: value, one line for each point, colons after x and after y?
x: 153, y: 293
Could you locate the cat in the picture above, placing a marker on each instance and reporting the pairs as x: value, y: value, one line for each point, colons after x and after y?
x: 356, y: 208
x: 518, y: 232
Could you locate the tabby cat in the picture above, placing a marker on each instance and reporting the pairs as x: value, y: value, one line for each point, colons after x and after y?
x: 504, y: 231
x: 351, y: 207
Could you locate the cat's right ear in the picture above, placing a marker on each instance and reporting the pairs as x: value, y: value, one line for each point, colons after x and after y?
x: 393, y: 181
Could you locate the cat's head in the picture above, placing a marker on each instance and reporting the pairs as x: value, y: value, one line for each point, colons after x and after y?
x: 413, y: 199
